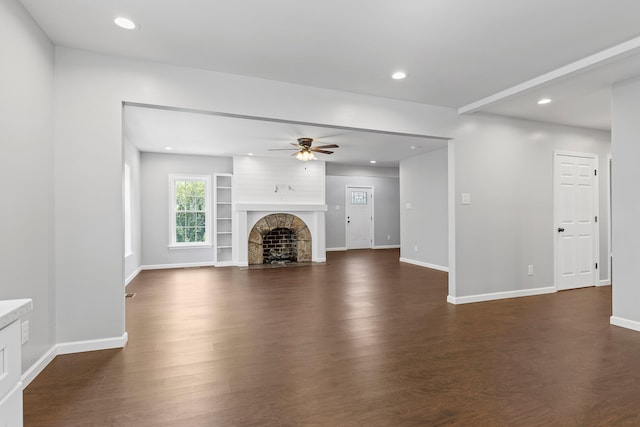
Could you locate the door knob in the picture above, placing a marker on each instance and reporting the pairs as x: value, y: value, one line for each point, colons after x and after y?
x: 560, y: 230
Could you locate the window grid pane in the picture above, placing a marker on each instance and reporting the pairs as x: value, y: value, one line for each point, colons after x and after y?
x: 358, y: 197
x: 190, y: 211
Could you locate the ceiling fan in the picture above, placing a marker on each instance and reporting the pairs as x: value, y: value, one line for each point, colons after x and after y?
x: 304, y: 150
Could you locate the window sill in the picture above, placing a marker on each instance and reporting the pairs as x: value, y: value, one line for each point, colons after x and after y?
x: 192, y: 246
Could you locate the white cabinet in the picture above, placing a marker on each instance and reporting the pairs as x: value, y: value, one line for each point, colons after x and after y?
x: 222, y: 229
x: 11, y: 361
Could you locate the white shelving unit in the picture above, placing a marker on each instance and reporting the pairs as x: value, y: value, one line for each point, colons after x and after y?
x: 223, y: 224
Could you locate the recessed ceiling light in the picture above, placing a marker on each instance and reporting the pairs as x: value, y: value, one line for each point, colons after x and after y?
x: 250, y: 154
x: 125, y: 23
x: 398, y: 75
x: 168, y: 148
x: 372, y: 161
x: 544, y: 101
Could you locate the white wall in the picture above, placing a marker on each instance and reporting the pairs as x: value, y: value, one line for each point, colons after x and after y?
x: 26, y: 169
x: 269, y: 180
x: 626, y: 203
x: 423, y: 209
x: 155, y: 170
x: 507, y: 166
x: 386, y: 211
x: 90, y: 89
x: 133, y: 261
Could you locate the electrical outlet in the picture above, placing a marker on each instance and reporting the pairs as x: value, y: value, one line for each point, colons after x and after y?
x: 388, y: 236
x: 25, y: 331
x: 530, y: 269
x: 415, y: 248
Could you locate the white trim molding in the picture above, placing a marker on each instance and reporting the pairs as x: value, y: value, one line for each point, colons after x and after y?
x: 92, y: 345
x: 500, y: 295
x: 180, y: 265
x: 625, y: 323
x: 71, y: 347
x: 335, y: 249
x: 425, y: 264
x: 132, y: 276
x: 35, y: 369
x: 387, y: 247
x: 605, y: 282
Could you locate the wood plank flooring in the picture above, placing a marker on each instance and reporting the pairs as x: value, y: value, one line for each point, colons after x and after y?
x: 360, y: 341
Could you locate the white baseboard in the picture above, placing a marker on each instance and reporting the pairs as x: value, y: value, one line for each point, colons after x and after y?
x: 625, y: 323
x: 318, y: 260
x: 181, y: 265
x: 92, y: 345
x: 425, y: 264
x: 226, y: 264
x: 68, y: 348
x: 500, y: 295
x: 387, y: 247
x: 605, y: 282
x: 35, y: 369
x: 335, y: 249
x: 132, y: 276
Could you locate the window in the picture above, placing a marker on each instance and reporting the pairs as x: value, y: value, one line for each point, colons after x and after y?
x: 190, y: 210
x: 358, y: 197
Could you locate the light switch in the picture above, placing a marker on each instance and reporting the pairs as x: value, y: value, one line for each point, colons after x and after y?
x: 408, y: 205
x: 466, y: 198
x: 337, y: 207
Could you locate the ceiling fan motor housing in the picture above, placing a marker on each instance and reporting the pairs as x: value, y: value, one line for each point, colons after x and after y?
x: 305, y: 142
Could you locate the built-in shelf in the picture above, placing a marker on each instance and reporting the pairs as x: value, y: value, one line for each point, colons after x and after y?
x: 223, y: 225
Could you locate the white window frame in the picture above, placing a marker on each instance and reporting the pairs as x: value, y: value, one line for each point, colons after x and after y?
x: 172, y: 211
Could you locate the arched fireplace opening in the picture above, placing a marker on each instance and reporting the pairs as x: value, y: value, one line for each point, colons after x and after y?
x: 278, y: 239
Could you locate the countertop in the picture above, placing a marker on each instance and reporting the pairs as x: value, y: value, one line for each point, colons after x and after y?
x: 11, y: 310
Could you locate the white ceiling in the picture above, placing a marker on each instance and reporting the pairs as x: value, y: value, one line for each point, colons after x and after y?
x: 456, y: 52
x: 187, y: 132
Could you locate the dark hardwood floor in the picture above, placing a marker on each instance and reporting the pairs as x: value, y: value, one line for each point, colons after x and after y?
x: 359, y: 341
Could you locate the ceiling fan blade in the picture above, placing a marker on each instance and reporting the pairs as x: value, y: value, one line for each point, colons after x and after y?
x: 326, y: 146
x: 295, y: 145
x: 322, y: 151
x: 282, y: 149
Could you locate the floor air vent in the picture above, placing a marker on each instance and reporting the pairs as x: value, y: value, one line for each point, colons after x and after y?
x: 129, y: 295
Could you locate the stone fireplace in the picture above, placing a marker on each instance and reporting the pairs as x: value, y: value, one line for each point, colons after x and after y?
x: 279, y: 238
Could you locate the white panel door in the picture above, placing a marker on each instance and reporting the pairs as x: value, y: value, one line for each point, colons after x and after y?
x: 359, y: 217
x: 575, y: 217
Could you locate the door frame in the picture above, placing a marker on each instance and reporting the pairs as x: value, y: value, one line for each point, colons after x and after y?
x: 347, y: 200
x: 596, y: 208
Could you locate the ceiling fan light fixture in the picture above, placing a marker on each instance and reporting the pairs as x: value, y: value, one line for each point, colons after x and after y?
x: 305, y: 155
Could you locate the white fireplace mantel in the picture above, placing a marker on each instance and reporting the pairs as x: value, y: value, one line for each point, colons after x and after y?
x: 277, y: 207
x: 245, y: 215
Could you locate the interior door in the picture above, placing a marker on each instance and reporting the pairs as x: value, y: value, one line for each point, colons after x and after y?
x: 359, y: 211
x: 576, y: 252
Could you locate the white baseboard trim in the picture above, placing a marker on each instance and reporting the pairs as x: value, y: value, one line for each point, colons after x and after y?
x: 425, y: 264
x: 181, y: 265
x: 92, y: 345
x: 226, y: 264
x: 605, y: 282
x: 625, y: 323
x: 500, y: 295
x: 68, y: 348
x: 132, y: 276
x: 318, y: 260
x: 35, y: 369
x: 387, y: 247
x: 335, y: 249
